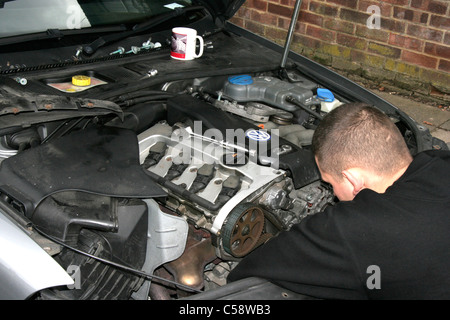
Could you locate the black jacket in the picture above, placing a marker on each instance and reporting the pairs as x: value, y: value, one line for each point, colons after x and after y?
x: 394, y: 245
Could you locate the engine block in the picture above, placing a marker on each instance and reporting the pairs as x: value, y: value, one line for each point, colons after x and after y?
x: 196, y: 173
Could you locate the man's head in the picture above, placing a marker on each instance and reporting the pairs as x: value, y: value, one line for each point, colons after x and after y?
x: 356, y: 146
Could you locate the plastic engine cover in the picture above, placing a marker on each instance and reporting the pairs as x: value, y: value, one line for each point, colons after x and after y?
x: 266, y: 89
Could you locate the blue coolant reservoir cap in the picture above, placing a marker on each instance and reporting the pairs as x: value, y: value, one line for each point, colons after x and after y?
x: 241, y: 80
x: 325, y: 95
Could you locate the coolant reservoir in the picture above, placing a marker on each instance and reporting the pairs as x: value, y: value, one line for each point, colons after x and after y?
x: 327, y: 100
x: 271, y: 90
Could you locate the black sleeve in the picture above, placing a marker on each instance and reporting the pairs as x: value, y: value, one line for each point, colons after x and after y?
x: 311, y: 258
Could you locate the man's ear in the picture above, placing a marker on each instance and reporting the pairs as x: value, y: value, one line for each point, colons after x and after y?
x: 355, y: 178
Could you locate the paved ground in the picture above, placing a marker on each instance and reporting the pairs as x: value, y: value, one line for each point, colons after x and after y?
x: 437, y: 120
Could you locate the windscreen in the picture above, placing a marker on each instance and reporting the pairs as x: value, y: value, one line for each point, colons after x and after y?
x: 30, y: 16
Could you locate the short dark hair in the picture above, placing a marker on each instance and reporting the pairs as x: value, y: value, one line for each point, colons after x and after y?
x: 359, y: 135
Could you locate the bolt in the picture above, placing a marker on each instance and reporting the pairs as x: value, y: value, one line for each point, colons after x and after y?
x: 134, y: 50
x: 79, y: 50
x: 148, y: 45
x: 152, y: 72
x: 119, y: 50
x: 20, y: 80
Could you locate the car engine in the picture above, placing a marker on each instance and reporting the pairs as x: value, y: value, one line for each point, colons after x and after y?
x: 184, y: 183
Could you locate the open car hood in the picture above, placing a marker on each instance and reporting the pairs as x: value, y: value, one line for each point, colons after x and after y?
x: 224, y: 9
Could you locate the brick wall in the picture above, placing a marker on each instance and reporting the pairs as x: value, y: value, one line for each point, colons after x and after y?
x: 406, y: 45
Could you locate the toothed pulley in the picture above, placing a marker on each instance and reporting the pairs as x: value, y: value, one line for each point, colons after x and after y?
x: 242, y: 230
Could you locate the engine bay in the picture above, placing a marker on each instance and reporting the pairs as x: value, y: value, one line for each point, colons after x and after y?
x: 173, y: 169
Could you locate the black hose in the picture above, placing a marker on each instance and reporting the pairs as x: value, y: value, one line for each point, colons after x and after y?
x: 292, y: 100
x: 138, y: 100
x: 138, y: 94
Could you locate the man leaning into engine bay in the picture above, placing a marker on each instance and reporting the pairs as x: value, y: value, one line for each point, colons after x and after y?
x: 387, y: 237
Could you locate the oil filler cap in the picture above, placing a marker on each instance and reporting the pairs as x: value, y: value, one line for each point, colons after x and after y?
x: 81, y: 81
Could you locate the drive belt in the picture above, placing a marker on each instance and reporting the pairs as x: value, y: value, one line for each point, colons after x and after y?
x: 243, y: 231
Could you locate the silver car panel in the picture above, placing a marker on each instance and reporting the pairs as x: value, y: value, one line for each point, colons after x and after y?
x: 25, y: 268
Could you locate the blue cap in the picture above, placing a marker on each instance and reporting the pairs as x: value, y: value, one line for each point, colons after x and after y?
x: 325, y: 95
x: 241, y: 79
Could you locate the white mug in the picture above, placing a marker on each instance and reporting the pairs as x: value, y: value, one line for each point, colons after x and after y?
x: 184, y: 42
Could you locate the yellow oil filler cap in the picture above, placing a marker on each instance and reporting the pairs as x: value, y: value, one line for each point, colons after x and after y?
x: 81, y: 81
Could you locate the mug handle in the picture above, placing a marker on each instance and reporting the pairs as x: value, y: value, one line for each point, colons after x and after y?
x: 200, y: 39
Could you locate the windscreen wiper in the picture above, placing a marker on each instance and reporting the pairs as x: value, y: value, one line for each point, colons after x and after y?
x: 56, y: 34
x: 101, y: 41
x: 2, y: 3
x: 45, y: 35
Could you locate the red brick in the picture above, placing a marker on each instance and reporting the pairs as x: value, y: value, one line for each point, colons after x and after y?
x: 405, y: 42
x: 420, y: 4
x: 323, y: 9
x: 404, y: 14
x: 275, y: 33
x: 398, y: 2
x: 301, y: 28
x: 244, y: 13
x: 345, y: 3
x: 430, y: 6
x: 351, y: 42
x: 264, y: 18
x: 358, y: 56
x: 279, y: 10
x: 425, y: 33
x: 260, y: 5
x: 424, y: 18
x: 444, y: 65
x: 374, y: 34
x: 438, y: 7
x: 283, y: 23
x: 340, y: 26
x: 237, y: 21
x: 410, y: 15
x: 307, y: 41
x: 289, y: 3
x: 440, y: 22
x: 393, y: 25
x: 419, y: 59
x: 320, y: 33
x: 354, y: 16
x: 312, y: 18
x: 437, y: 50
x: 447, y: 38
x: 384, y: 50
